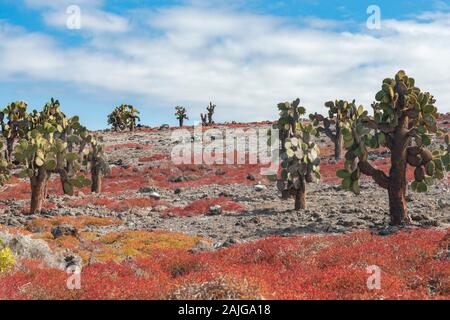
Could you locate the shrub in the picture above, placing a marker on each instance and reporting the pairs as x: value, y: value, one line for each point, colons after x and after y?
x: 6, y: 259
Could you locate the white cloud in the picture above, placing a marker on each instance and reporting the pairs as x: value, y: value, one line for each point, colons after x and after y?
x: 245, y: 63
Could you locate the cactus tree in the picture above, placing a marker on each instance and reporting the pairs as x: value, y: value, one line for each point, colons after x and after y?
x: 68, y: 145
x: 404, y: 121
x: 337, y: 114
x: 180, y: 114
x: 4, y: 168
x: 97, y: 162
x: 15, y: 126
x: 35, y: 152
x: 300, y: 155
x: 211, y: 108
x: 204, y: 119
x: 124, y: 117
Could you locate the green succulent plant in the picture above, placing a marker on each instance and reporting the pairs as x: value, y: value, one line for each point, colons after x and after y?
x: 36, y: 154
x: 13, y: 120
x: 53, y: 144
x: 211, y: 108
x: 338, y: 112
x: 181, y: 115
x: 404, y: 122
x: 5, y: 173
x: 69, y: 146
x: 123, y: 118
x: 300, y: 162
x: 96, y: 162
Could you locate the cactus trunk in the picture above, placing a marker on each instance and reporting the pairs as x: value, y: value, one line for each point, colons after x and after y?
x: 64, y: 182
x: 96, y: 177
x: 397, y: 180
x: 9, y: 149
x: 300, y: 196
x: 38, y: 186
x: 338, y: 144
x: 181, y: 122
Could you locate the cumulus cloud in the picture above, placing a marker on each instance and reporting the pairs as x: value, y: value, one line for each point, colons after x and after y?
x: 245, y: 63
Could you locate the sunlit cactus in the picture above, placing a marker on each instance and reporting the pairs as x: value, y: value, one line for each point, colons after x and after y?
x: 300, y: 160
x: 337, y: 114
x: 181, y: 114
x: 13, y: 120
x: 123, y: 118
x: 404, y: 121
x: 45, y: 149
x: 68, y: 146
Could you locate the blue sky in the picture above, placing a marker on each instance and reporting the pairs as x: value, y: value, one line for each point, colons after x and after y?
x: 245, y: 56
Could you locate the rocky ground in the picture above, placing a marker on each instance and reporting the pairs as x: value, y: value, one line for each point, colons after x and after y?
x: 160, y: 195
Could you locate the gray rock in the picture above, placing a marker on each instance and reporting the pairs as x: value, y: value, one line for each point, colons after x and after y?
x: 155, y: 195
x: 443, y: 203
x: 64, y: 230
x: 214, y: 210
x: 259, y: 187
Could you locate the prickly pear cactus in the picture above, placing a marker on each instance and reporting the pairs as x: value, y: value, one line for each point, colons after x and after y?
x: 204, y: 118
x: 300, y: 160
x: 181, y: 115
x: 13, y: 120
x: 97, y: 162
x: 68, y: 145
x: 404, y: 122
x: 211, y: 108
x: 338, y: 112
x: 124, y: 117
x: 4, y: 168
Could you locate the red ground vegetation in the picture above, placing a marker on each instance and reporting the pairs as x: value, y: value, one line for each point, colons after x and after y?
x: 414, y: 265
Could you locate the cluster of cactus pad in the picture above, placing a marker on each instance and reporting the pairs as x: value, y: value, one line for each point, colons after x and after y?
x: 338, y: 113
x: 404, y: 121
x: 50, y: 142
x: 123, y: 118
x: 300, y: 162
x: 12, y: 120
x: 181, y: 114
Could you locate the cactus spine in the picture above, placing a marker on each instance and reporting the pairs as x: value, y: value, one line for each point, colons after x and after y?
x: 300, y: 155
x: 180, y: 114
x: 404, y: 121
